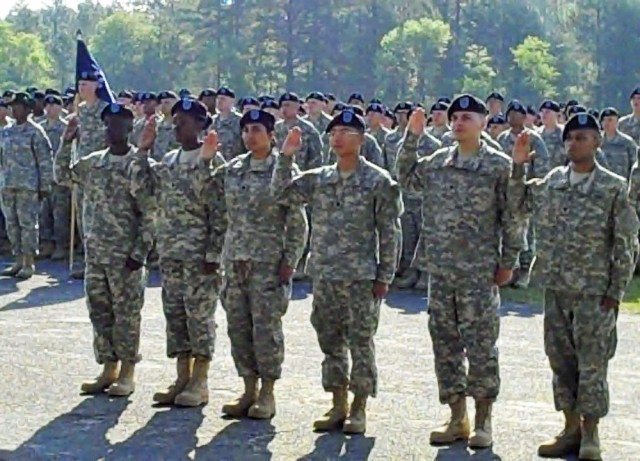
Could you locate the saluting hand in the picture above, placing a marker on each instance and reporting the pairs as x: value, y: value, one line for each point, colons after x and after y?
x: 210, y: 146
x: 293, y: 142
x: 522, y: 149
x: 71, y: 130
x: 148, y: 134
x: 380, y: 289
x: 503, y: 277
x: 417, y: 122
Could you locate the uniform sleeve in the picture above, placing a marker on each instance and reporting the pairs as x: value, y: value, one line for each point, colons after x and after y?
x: 541, y: 162
x: 632, y: 152
x: 625, y: 245
x: 142, y: 193
x: 42, y: 151
x: 510, y: 227
x: 314, y: 149
x: 634, y: 188
x: 65, y: 172
x: 297, y: 230
x: 410, y: 168
x: 388, y: 209
x: 375, y: 154
x: 600, y: 158
x: 216, y: 208
x: 523, y: 196
x: 289, y: 188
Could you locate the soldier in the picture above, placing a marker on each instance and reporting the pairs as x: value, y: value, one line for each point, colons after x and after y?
x: 119, y: 234
x: 208, y: 98
x: 37, y: 113
x: 448, y: 140
x: 440, y: 124
x: 356, y: 99
x: 26, y: 174
x: 272, y: 107
x: 7, y: 96
x: 89, y: 137
x: 315, y: 103
x: 619, y: 149
x: 263, y: 244
x: 496, y: 125
x: 495, y: 101
x: 149, y: 102
x: 630, y: 124
x: 392, y: 140
x: 588, y: 241
x: 5, y: 121
x: 389, y: 120
x: 226, y: 123
x: 250, y: 103
x: 551, y: 133
x: 330, y: 103
x: 165, y: 139
x: 355, y: 239
x: 575, y: 109
x: 531, y: 121
x: 374, y: 115
x: 56, y: 208
x: 190, y: 226
x: 125, y: 98
x: 471, y: 245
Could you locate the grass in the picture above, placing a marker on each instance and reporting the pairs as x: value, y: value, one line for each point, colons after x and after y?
x: 533, y: 296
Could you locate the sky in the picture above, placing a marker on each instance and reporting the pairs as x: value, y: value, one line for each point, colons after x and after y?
x: 6, y: 5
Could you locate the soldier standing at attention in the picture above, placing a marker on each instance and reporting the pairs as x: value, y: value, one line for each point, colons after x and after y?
x: 389, y: 120
x: 272, y: 107
x: 356, y: 239
x: 356, y: 99
x: 630, y: 124
x: 165, y: 140
x: 620, y: 150
x: 26, y: 175
x: 37, y: 113
x: 374, y: 116
x: 587, y: 244
x: 496, y: 125
x: 471, y: 242
x: 190, y: 227
x: 226, y: 123
x: 440, y: 124
x: 56, y: 208
x: 118, y: 237
x: 315, y: 104
x: 551, y: 133
x: 495, y: 101
x: 208, y: 98
x: 250, y: 103
x: 531, y: 121
x: 330, y: 103
x: 392, y: 140
x: 149, y: 106
x: 263, y: 244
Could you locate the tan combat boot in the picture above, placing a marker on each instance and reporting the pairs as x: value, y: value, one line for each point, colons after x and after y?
x: 334, y: 418
x: 184, y: 367
x: 12, y: 270
x: 590, y: 443
x: 196, y: 392
x: 265, y: 406
x: 239, y: 407
x: 456, y: 428
x: 356, y: 422
x: 481, y: 436
x: 28, y: 268
x: 124, y: 386
x: 567, y: 442
x: 108, y: 376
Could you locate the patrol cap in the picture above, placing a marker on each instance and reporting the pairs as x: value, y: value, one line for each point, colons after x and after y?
x: 498, y: 119
x: 635, y: 92
x: 289, y: 96
x: 515, y: 106
x: 551, y: 105
x: 338, y: 107
x: 438, y: 106
x: 594, y: 112
x: 193, y: 108
x: 330, y: 96
x: 467, y: 103
x: 317, y: 96
x: 576, y: 109
x: 52, y: 91
x: 531, y: 110
x: 225, y: 91
x: 116, y: 109
x: 184, y: 92
x: 349, y: 119
x: 166, y: 95
x: 270, y: 104
x: 38, y: 95
x: 403, y: 106
x: 375, y: 107
x: 125, y: 94
x: 88, y: 76
x: 260, y: 117
x: 53, y: 99
x: 495, y: 95
x: 609, y: 112
x: 249, y: 101
x: 580, y: 121
x: 22, y: 98
x: 356, y: 96
x: 445, y: 100
x: 8, y: 94
x: 148, y: 96
x: 206, y: 92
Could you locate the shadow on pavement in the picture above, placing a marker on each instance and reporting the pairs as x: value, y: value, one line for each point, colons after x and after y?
x: 519, y: 310
x: 301, y: 290
x: 78, y: 434
x: 460, y: 452
x: 337, y: 446
x: 410, y: 303
x: 244, y: 440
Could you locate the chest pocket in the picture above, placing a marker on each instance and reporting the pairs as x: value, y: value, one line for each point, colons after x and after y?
x: 109, y: 179
x: 177, y: 185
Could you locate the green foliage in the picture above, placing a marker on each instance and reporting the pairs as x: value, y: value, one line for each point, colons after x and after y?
x: 538, y: 65
x: 479, y: 76
x: 24, y: 60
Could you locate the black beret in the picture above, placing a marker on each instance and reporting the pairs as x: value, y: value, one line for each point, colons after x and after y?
x: 594, y: 112
x: 330, y: 96
x: 338, y: 107
x: 52, y: 91
x: 445, y: 100
x: 355, y: 109
x: 531, y: 110
x: 302, y: 111
x: 249, y: 101
x: 125, y: 94
x: 184, y: 92
x: 116, y: 109
x: 270, y: 104
x: 375, y: 107
x: 289, y: 96
x: 609, y: 112
x: 22, y: 98
x: 316, y: 95
x: 147, y: 96
x: 53, y: 99
x: 572, y: 102
x: 467, y: 103
x: 497, y: 120
x: 70, y: 90
x: 357, y: 96
x: 258, y: 116
x: 224, y: 91
x: 68, y: 99
x: 495, y: 95
x: 8, y: 94
x: 31, y: 89
x: 388, y: 113
x: 375, y: 101
x: 549, y: 104
x: 4, y: 104
x: 576, y: 109
x: 166, y: 95
x: 38, y: 95
x: 347, y: 118
x: 401, y: 106
x: 264, y: 97
x: 439, y: 106
x: 88, y: 76
x: 562, y: 105
x: 515, y: 106
x: 206, y: 92
x: 635, y: 92
x: 580, y: 121
x: 193, y: 108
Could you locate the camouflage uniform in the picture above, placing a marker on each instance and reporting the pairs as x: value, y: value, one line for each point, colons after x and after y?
x: 468, y: 232
x: 138, y: 126
x: 261, y: 235
x: 190, y: 220
x: 355, y: 239
x: 310, y: 155
x: 56, y: 208
x: 165, y: 140
x: 26, y: 171
x: 438, y: 133
x: 555, y: 146
x: 630, y: 125
x: 320, y: 123
x: 370, y: 150
x: 448, y: 140
x: 587, y: 244
x: 229, y: 134
x: 621, y: 153
x: 118, y: 225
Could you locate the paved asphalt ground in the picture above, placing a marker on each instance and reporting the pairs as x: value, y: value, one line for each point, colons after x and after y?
x: 45, y: 353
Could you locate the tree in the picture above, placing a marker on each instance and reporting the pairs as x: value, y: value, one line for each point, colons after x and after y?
x: 479, y: 74
x: 537, y: 66
x: 23, y: 59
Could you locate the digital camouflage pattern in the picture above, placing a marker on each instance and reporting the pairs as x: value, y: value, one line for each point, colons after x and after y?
x: 621, y: 153
x: 310, y: 154
x: 345, y: 317
x: 370, y: 150
x: 379, y: 135
x: 438, y: 133
x: 138, y: 126
x: 541, y: 163
x: 630, y: 125
x: 355, y: 227
x: 229, y: 135
x: 447, y: 140
x: 165, y: 140
x: 555, y: 146
x: 321, y: 123
x: 20, y: 208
